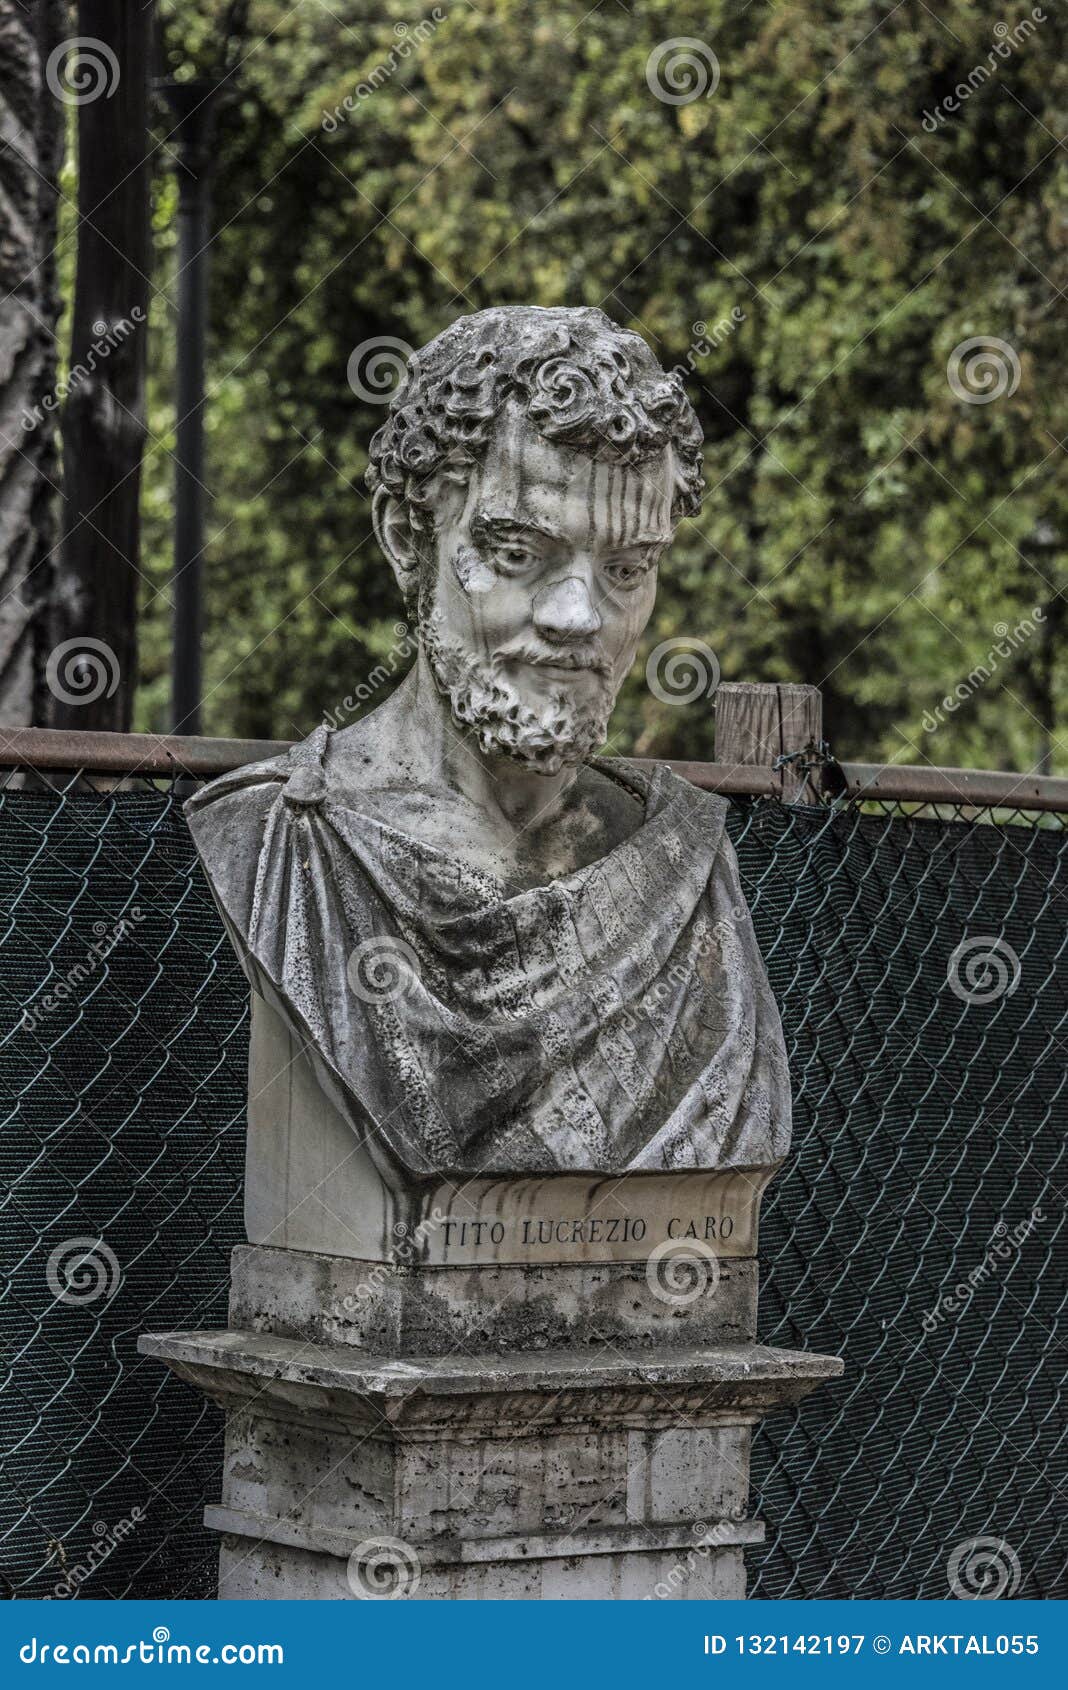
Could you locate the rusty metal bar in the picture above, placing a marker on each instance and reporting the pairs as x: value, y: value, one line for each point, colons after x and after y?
x: 130, y: 754
x: 903, y: 783
x: 985, y: 788
x: 168, y: 754
x: 734, y: 780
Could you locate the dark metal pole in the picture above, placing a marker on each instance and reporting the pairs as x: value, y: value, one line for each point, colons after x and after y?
x: 193, y: 105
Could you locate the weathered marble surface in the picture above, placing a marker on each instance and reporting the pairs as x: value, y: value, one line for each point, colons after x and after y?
x: 618, y: 1019
x: 510, y: 1476
x: 311, y: 1185
x: 505, y: 955
x: 396, y: 1310
x: 591, y: 1571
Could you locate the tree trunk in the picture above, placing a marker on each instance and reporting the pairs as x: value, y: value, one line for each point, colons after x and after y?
x: 32, y: 132
x: 93, y: 664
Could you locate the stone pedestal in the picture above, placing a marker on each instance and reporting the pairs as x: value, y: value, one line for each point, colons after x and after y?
x: 491, y: 1387
x: 505, y: 1431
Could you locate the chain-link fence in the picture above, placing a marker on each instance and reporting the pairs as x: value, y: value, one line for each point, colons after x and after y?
x: 915, y: 1231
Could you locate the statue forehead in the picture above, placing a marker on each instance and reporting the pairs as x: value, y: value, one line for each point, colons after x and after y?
x: 525, y: 476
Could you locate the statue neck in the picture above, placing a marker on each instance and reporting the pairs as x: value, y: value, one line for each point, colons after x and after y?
x: 452, y: 757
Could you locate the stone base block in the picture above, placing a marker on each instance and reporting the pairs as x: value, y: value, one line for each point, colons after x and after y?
x: 251, y: 1570
x: 510, y: 1475
x: 398, y: 1310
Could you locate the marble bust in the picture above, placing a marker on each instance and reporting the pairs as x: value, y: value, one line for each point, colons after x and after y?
x: 517, y: 1080
x: 503, y: 954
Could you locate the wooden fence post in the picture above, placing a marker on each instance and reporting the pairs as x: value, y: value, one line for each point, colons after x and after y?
x: 758, y: 721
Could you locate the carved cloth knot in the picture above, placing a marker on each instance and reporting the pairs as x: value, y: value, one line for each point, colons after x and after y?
x: 305, y: 786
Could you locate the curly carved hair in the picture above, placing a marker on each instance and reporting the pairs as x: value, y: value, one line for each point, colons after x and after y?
x: 584, y: 382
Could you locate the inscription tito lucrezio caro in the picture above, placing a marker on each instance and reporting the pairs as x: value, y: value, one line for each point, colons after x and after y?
x: 567, y: 1219
x: 617, y: 1229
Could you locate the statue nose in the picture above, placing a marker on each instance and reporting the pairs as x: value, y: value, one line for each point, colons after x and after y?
x: 566, y: 610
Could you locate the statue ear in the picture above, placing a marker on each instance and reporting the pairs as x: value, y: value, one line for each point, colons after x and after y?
x: 395, y: 535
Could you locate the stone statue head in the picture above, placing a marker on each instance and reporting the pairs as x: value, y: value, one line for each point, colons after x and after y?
x: 531, y: 472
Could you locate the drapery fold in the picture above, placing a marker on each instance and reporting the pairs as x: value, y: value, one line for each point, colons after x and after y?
x: 617, y: 1019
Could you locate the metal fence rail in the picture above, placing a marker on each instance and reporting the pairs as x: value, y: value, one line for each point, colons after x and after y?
x: 918, y: 960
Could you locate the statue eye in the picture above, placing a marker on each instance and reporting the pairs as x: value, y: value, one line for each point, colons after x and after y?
x: 512, y: 556
x: 626, y: 574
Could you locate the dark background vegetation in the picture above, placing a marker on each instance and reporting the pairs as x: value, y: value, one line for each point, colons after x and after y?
x: 864, y: 528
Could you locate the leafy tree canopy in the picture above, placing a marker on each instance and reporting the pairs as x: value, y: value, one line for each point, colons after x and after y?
x: 815, y: 235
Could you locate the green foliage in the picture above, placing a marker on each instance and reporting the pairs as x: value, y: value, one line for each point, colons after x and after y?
x: 864, y: 528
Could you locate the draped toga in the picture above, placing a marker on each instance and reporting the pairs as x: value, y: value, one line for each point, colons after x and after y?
x: 619, y: 1018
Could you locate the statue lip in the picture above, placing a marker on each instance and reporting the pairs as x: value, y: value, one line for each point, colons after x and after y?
x: 560, y: 668
x: 565, y: 663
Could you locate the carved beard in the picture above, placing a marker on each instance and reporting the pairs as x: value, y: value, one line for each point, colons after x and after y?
x: 560, y: 734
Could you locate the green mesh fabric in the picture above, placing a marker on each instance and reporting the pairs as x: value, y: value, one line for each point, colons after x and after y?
x: 928, y: 1131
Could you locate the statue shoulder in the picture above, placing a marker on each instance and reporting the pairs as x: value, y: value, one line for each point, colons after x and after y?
x: 656, y: 784
x: 259, y: 783
x: 229, y: 818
